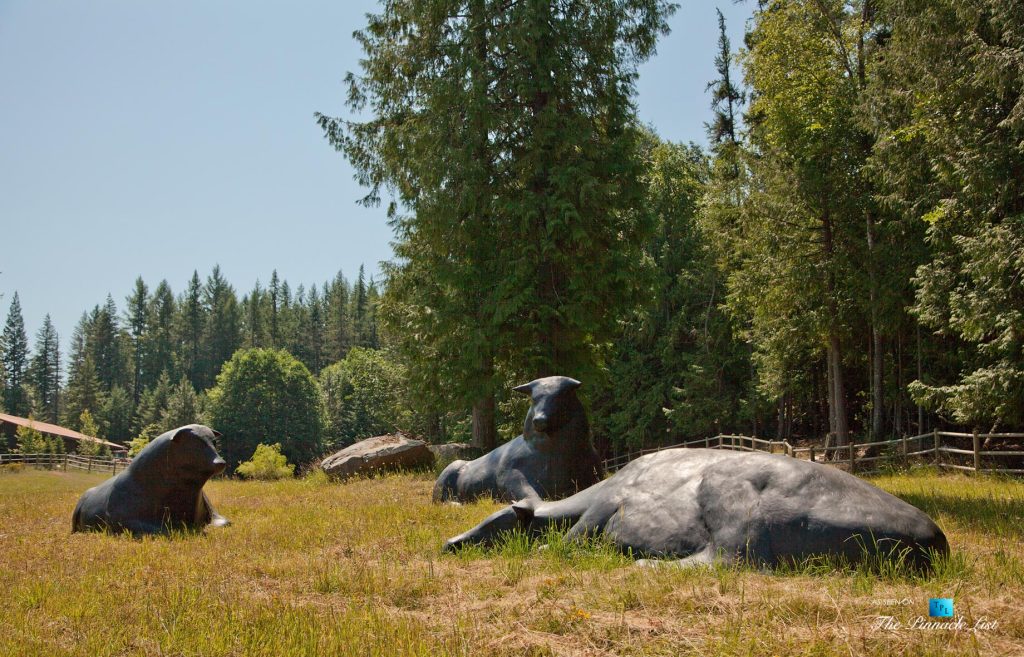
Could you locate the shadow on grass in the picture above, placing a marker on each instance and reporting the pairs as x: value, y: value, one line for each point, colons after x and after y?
x: 1002, y: 517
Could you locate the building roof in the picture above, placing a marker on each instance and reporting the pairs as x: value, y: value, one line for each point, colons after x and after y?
x: 55, y: 430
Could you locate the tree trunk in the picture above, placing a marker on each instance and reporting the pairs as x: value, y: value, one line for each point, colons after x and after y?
x: 838, y: 391
x: 485, y: 434
x: 920, y: 377
x: 830, y: 397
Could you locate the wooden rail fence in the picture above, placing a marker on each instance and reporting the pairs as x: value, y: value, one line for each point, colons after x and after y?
x: 65, y: 461
x: 942, y: 448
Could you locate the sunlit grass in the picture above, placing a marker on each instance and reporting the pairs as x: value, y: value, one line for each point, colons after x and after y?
x: 312, y: 567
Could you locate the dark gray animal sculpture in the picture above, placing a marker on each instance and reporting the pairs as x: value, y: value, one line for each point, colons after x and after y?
x: 552, y: 459
x: 161, y: 490
x: 705, y: 505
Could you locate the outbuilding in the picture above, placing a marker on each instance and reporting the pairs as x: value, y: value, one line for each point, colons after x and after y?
x: 9, y: 426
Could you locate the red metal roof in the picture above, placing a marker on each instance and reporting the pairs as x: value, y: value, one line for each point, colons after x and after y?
x: 54, y: 430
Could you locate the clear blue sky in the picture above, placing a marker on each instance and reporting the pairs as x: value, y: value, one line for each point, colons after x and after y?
x: 155, y: 138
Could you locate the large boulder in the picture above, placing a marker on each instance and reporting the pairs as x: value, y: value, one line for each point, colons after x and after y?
x: 448, y: 452
x: 377, y: 454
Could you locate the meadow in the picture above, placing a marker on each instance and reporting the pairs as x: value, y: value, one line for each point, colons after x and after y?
x: 313, y: 567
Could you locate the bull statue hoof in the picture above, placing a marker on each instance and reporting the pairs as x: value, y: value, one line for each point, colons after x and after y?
x: 553, y: 458
x: 705, y: 506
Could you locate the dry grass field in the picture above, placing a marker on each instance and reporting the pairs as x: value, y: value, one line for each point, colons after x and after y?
x: 311, y: 567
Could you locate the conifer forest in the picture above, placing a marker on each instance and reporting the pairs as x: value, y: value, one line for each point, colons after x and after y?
x: 843, y: 260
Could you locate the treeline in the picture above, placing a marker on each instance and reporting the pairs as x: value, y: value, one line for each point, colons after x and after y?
x: 845, y: 259
x: 150, y: 363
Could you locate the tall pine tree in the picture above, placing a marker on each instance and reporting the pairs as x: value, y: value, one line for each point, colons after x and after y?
x: 506, y: 131
x: 14, y: 350
x: 44, y: 372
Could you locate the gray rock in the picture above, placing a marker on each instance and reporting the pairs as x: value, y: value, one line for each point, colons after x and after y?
x: 448, y: 452
x: 704, y: 505
x: 377, y: 454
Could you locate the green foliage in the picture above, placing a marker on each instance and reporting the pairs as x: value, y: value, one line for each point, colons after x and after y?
x: 266, y: 396
x: 87, y: 425
x: 676, y: 371
x: 267, y: 463
x: 30, y: 440
x: 44, y: 371
x: 951, y: 158
x: 115, y: 415
x: 14, y: 362
x: 148, y: 433
x: 363, y: 396
x: 508, y: 139
x: 183, y: 406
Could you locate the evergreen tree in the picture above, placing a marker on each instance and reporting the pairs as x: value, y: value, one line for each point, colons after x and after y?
x: 947, y: 105
x: 116, y: 414
x: 107, y: 346
x: 362, y: 395
x: 726, y: 95
x: 252, y: 312
x: 222, y: 335
x: 14, y: 350
x: 137, y: 316
x: 191, y: 326
x: 339, y: 333
x: 507, y: 133
x: 686, y: 374
x: 274, y: 305
x: 44, y: 371
x: 808, y: 212
x: 183, y: 406
x: 152, y: 404
x: 161, y: 338
x: 87, y: 425
x: 360, y: 310
x: 84, y: 392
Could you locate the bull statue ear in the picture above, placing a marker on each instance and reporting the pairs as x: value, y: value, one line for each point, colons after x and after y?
x: 524, y: 510
x: 179, y: 433
x: 216, y: 434
x: 526, y: 388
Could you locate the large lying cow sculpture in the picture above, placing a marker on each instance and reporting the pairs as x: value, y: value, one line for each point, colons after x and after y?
x: 552, y: 459
x: 704, y: 505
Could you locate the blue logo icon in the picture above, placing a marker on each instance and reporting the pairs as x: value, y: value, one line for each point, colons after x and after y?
x: 940, y: 607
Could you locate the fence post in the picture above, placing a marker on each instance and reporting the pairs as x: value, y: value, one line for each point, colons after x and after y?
x: 853, y: 463
x: 65, y: 463
x: 89, y: 460
x: 935, y: 435
x: 903, y: 445
x: 977, y: 452
x: 707, y: 441
x: 812, y: 453
x: 721, y: 441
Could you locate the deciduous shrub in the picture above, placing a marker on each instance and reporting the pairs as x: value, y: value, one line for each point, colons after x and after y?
x: 267, y: 462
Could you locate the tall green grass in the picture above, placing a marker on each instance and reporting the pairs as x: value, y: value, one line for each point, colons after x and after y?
x: 312, y: 567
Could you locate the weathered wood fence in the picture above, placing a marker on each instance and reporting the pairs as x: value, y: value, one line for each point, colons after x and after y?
x: 66, y: 461
x: 945, y: 449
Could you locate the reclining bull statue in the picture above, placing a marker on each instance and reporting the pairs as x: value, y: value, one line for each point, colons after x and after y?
x: 553, y: 458
x: 701, y: 506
